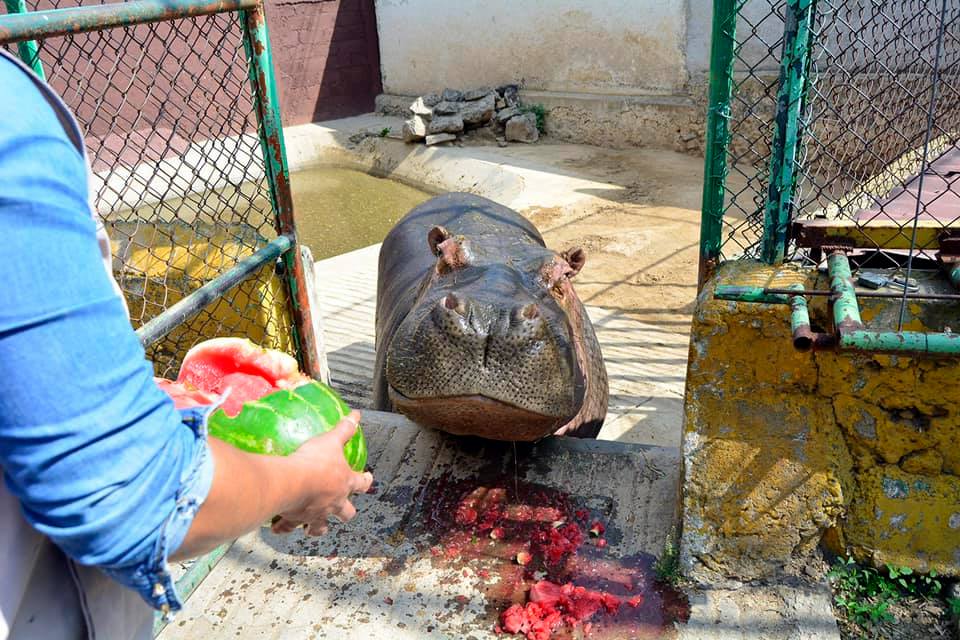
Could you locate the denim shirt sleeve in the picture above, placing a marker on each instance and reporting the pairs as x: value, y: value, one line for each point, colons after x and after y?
x: 95, y: 452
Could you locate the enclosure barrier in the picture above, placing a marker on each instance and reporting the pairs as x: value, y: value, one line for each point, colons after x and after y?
x: 178, y: 104
x: 834, y: 127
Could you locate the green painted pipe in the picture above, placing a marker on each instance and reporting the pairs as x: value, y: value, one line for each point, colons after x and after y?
x: 60, y: 22
x: 722, y: 45
x: 738, y: 293
x: 788, y: 129
x: 954, y: 275
x: 902, y: 342
x: 846, y: 310
x: 28, y: 49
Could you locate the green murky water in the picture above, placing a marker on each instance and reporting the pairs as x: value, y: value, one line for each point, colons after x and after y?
x: 339, y: 210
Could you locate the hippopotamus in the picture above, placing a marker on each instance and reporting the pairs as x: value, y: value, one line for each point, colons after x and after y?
x: 479, y: 331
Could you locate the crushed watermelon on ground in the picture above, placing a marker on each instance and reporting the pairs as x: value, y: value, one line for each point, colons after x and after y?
x: 546, y: 540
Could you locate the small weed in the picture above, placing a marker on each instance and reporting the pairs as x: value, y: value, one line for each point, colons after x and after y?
x: 667, y: 567
x: 384, y: 132
x: 866, y: 594
x: 540, y: 112
x: 954, y: 604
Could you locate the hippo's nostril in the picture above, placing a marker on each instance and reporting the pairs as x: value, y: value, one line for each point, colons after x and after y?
x: 453, y: 303
x: 530, y: 312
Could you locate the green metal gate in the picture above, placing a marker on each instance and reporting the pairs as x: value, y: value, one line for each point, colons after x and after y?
x: 833, y: 138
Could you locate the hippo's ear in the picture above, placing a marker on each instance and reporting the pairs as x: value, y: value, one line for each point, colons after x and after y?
x: 576, y: 257
x: 435, y: 236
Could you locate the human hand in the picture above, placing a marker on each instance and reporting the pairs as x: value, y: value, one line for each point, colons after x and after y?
x: 326, y: 481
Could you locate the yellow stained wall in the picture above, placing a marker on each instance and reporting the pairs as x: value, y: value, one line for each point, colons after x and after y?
x: 783, y: 449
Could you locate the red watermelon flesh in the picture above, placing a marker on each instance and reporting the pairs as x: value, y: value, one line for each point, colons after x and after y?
x: 239, y: 366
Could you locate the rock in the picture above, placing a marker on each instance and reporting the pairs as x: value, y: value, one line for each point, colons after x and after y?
x: 445, y: 124
x: 501, y: 103
x: 431, y: 99
x: 476, y: 94
x: 396, y: 135
x: 506, y: 114
x: 451, y: 95
x: 481, y: 135
x: 478, y: 111
x: 510, y: 93
x: 523, y: 128
x: 437, y: 138
x: 501, y: 142
x: 446, y: 108
x: 414, y: 129
x: 419, y: 108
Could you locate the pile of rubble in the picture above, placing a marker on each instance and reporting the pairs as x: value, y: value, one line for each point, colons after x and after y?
x: 443, y: 117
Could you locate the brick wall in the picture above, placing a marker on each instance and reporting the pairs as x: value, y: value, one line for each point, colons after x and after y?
x: 327, y: 57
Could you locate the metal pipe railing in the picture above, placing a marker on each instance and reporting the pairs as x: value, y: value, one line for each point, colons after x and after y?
x: 188, y: 307
x: 35, y: 25
x: 849, y: 333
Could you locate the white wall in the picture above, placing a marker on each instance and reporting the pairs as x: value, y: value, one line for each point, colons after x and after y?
x: 576, y: 46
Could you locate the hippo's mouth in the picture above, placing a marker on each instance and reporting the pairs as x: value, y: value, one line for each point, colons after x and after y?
x: 476, y: 415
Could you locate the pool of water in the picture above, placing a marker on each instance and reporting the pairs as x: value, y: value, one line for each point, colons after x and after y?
x: 339, y: 210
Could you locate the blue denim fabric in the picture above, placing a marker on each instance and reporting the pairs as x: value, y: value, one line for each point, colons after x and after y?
x: 98, y: 456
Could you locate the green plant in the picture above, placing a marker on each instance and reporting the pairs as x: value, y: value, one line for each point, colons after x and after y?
x: 866, y: 593
x: 667, y: 567
x: 540, y: 112
x: 384, y: 132
x: 954, y: 604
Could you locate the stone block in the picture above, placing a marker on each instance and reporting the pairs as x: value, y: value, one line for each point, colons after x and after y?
x: 522, y: 128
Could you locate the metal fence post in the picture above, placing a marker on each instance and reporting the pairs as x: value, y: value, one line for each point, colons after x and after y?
x: 28, y: 50
x: 718, y: 135
x: 787, y: 130
x: 256, y: 41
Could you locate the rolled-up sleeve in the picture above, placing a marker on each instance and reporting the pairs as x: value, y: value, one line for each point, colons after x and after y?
x: 98, y: 456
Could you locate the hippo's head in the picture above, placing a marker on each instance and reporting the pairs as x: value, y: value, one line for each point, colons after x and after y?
x: 492, y: 345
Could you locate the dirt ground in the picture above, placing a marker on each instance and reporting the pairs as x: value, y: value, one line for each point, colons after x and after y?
x: 641, y: 235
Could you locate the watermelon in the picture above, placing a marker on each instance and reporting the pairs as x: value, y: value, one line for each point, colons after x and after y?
x: 271, y: 407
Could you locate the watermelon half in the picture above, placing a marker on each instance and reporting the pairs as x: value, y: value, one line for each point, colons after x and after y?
x: 271, y: 407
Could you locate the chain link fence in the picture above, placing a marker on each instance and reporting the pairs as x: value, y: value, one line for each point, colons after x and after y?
x: 879, y: 107
x: 178, y: 170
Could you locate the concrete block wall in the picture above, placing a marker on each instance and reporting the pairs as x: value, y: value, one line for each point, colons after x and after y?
x: 785, y: 450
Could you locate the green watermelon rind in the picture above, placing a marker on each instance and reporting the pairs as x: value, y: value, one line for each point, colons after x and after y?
x: 279, y: 422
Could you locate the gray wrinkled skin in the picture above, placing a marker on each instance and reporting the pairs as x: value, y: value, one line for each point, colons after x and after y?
x: 474, y: 334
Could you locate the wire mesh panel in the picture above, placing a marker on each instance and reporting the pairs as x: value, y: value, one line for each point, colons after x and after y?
x: 883, y: 107
x: 880, y: 87
x: 178, y: 170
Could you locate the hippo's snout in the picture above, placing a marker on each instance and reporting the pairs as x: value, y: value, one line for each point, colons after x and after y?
x: 508, y: 362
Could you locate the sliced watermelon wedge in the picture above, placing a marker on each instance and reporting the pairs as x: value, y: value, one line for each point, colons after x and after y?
x: 271, y: 407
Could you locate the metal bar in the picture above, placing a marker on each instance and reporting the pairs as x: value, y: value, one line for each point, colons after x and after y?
x: 190, y: 306
x: 256, y: 41
x: 774, y: 295
x: 805, y: 338
x: 27, y: 49
x: 954, y: 275
x: 881, y: 232
x: 722, y: 43
x: 191, y: 579
x: 786, y: 134
x: 59, y: 22
x: 926, y: 145
x: 901, y: 342
x: 843, y: 302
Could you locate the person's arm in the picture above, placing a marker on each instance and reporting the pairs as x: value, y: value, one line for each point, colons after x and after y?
x: 95, y: 452
x: 307, y: 487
